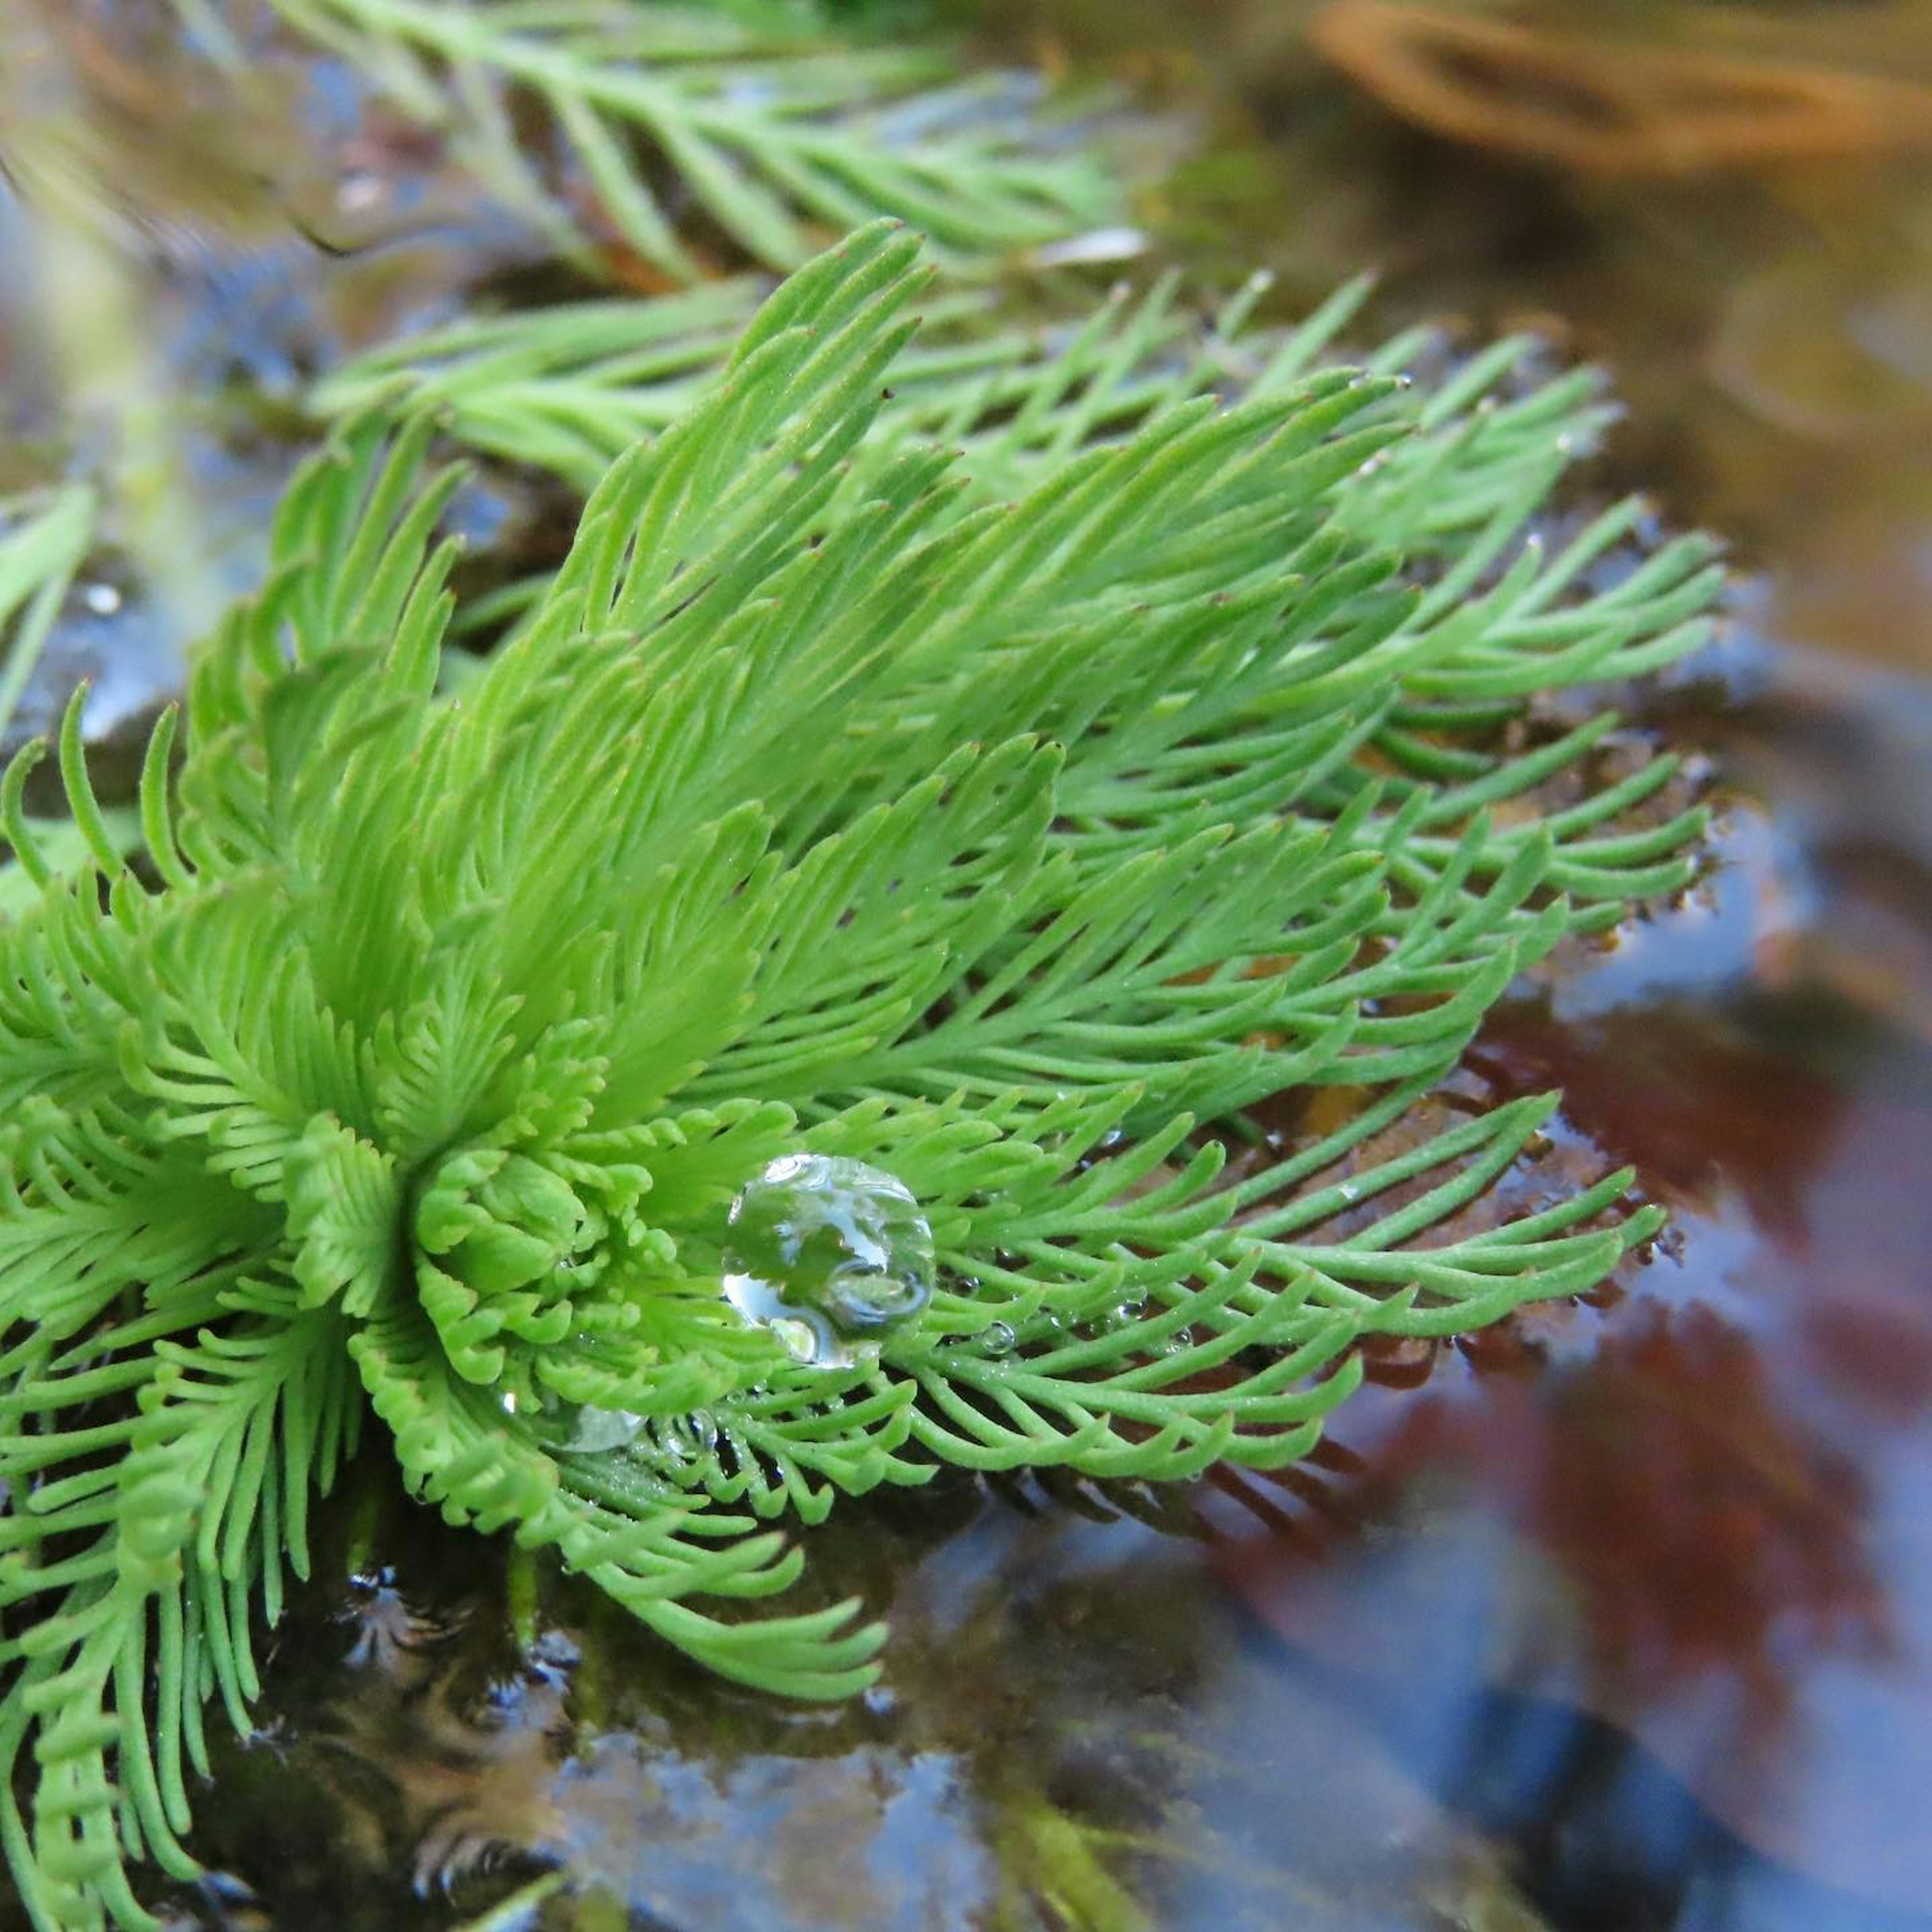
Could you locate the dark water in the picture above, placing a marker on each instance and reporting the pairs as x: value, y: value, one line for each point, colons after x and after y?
x: 1618, y: 1617
x: 1659, y: 1609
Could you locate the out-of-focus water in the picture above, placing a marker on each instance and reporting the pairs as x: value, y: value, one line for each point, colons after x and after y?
x: 1618, y: 1617
x: 1766, y: 306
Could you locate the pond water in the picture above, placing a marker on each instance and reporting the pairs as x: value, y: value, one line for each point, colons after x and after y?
x: 1618, y: 1616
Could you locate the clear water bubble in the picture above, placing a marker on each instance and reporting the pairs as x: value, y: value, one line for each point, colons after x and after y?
x: 584, y: 1429
x: 825, y: 1252
x: 997, y: 1338
x: 804, y: 1339
x: 686, y: 1439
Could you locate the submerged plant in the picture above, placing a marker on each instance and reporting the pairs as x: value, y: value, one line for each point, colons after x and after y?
x: 770, y: 1033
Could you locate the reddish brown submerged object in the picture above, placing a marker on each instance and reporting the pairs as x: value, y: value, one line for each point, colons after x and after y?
x: 1612, y: 109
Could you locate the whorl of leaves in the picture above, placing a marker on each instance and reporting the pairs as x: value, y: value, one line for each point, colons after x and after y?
x: 821, y: 803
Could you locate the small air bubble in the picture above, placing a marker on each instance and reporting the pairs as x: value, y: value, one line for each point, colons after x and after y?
x: 359, y: 189
x: 997, y: 1338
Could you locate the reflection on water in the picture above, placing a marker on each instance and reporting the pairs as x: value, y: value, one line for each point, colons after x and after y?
x: 1683, y: 1555
x: 186, y: 251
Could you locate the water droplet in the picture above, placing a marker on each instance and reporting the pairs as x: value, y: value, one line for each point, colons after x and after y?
x: 102, y: 599
x: 997, y: 1337
x: 821, y: 1249
x: 803, y: 1340
x: 1349, y: 1191
x: 582, y: 1429
x: 685, y: 1438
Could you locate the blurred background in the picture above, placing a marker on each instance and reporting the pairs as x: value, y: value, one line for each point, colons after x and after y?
x: 1729, y: 202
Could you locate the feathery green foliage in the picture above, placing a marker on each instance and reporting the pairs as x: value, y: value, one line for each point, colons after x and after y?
x: 755, y: 114
x: 43, y: 539
x: 1468, y: 467
x: 1004, y: 824
x: 41, y: 545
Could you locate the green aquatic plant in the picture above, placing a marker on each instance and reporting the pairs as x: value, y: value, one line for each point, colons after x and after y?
x: 42, y: 542
x: 567, y: 387
x: 770, y: 121
x: 771, y: 1029
x: 1480, y: 449
x: 43, y: 537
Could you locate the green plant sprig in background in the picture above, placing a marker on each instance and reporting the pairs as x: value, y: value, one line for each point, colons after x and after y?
x: 771, y: 121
